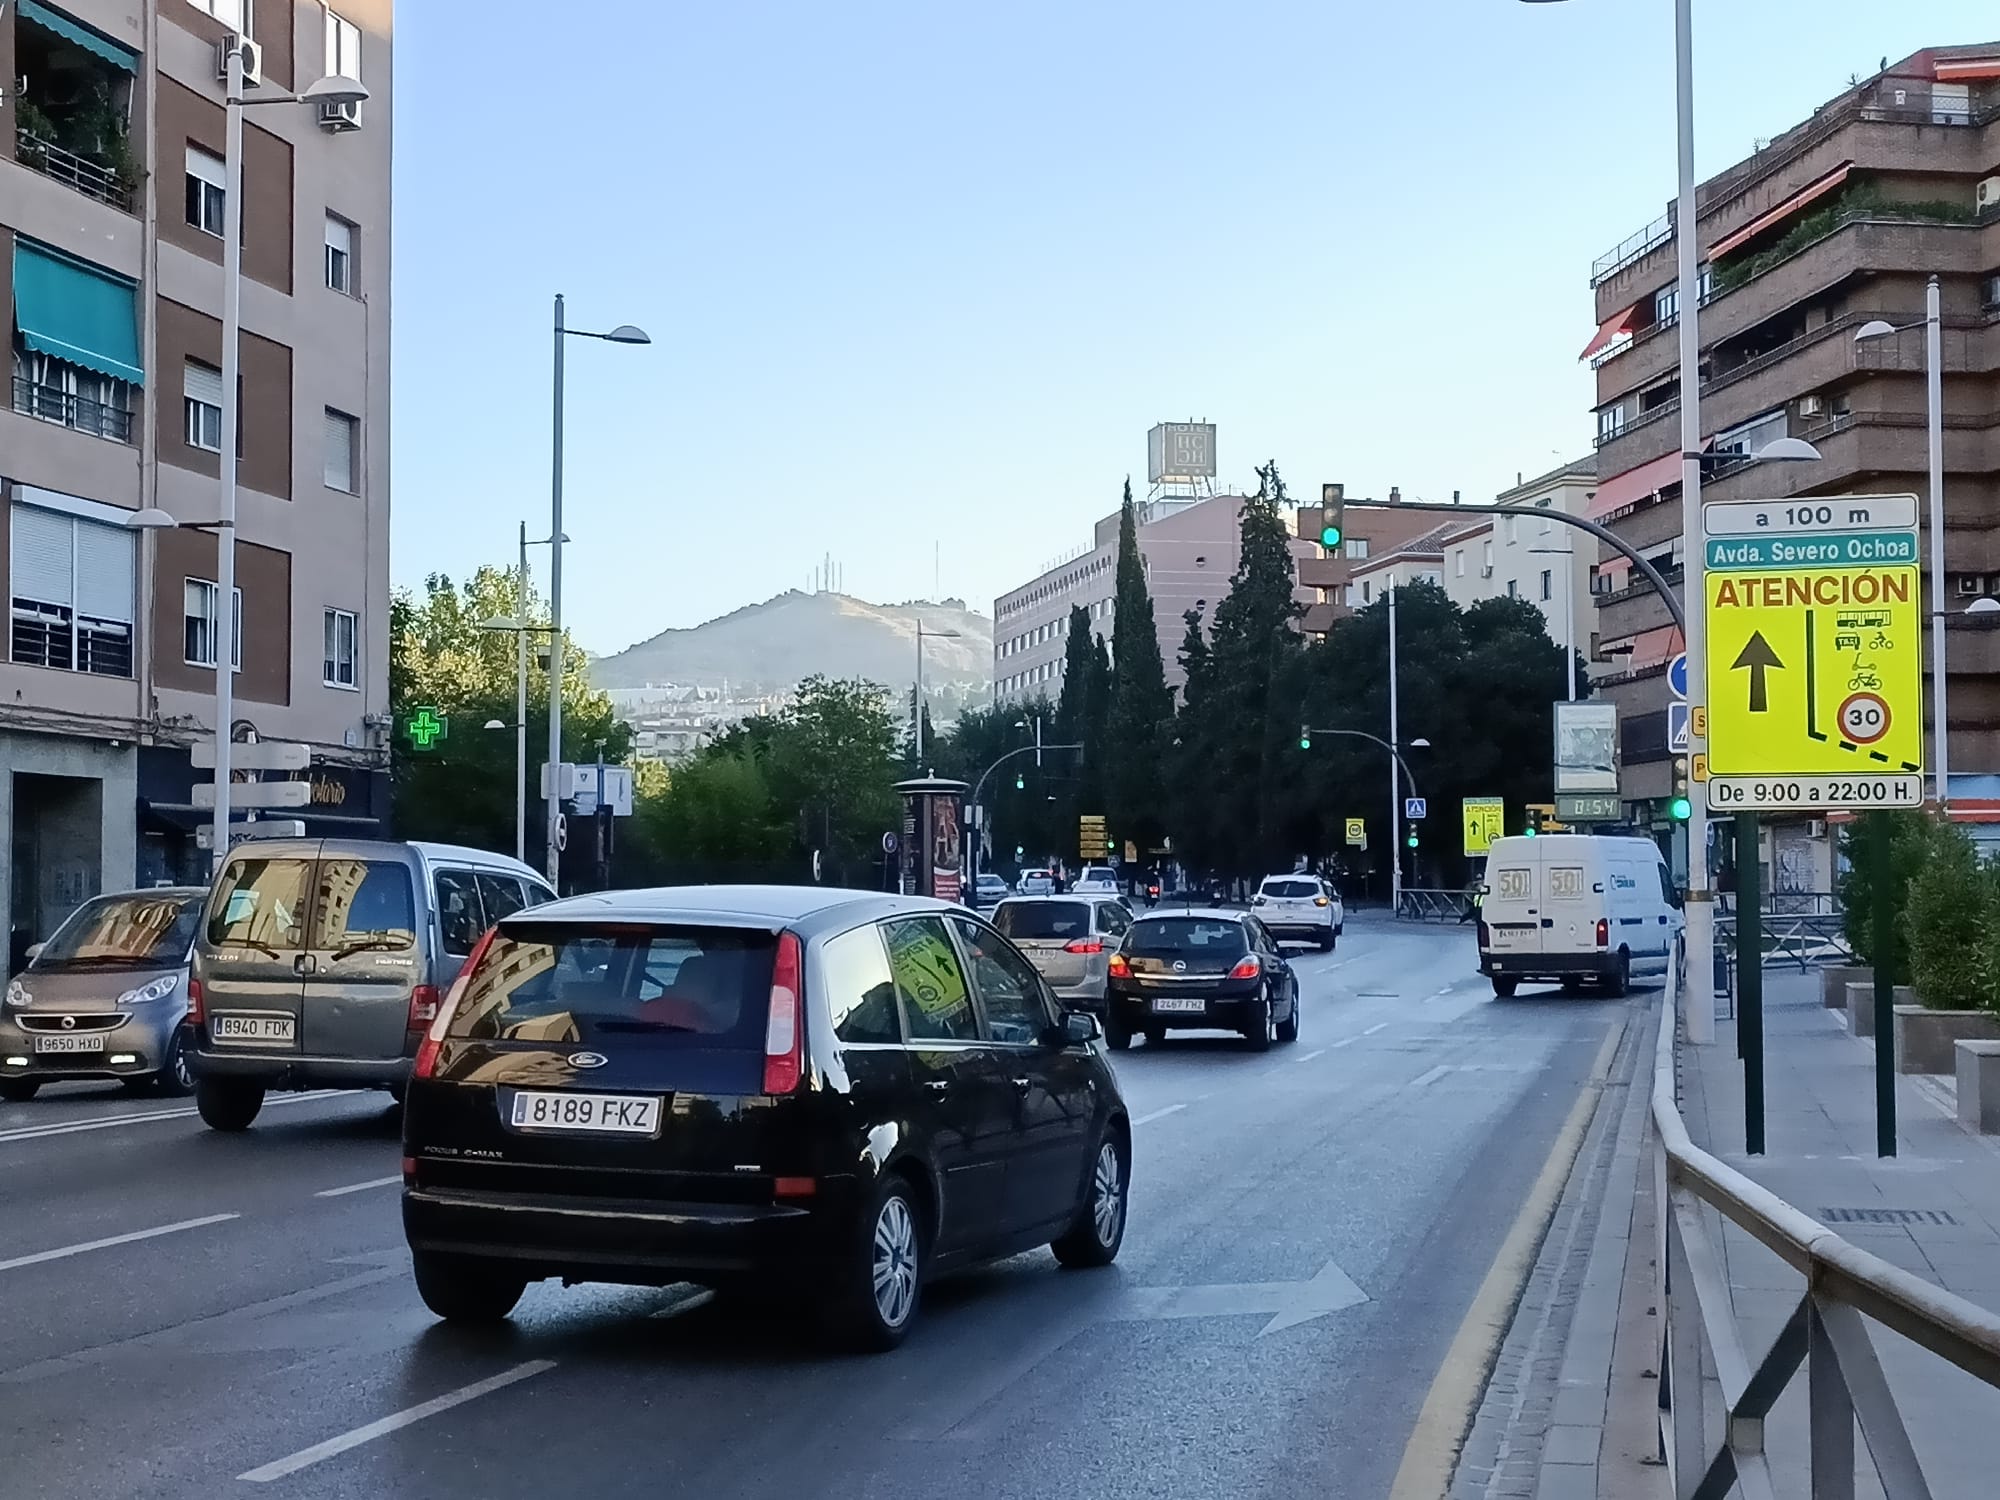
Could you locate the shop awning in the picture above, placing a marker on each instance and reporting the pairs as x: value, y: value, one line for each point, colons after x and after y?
x: 71, y: 31
x: 1617, y: 326
x: 1819, y: 187
x: 71, y: 310
x: 1634, y: 485
x: 1968, y: 70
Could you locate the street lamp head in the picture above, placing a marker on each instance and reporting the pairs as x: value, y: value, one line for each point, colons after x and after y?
x: 1877, y: 329
x: 1420, y: 744
x: 1983, y: 607
x: 151, y: 518
x: 494, y: 724
x: 625, y: 333
x: 335, y: 89
x: 1787, y: 450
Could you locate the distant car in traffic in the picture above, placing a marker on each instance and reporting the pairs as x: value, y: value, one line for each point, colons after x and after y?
x: 988, y: 891
x: 320, y: 962
x: 1202, y: 969
x: 104, y: 996
x: 786, y: 1091
x: 1300, y: 907
x: 1035, y: 882
x: 1069, y: 939
x: 1101, y: 879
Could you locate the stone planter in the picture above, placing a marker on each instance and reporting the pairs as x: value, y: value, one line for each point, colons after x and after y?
x: 1834, y: 980
x: 1861, y: 1006
x: 1926, y: 1040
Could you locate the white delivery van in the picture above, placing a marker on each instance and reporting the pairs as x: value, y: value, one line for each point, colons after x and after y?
x: 1571, y: 907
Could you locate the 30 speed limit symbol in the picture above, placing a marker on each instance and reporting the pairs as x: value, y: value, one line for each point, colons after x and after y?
x: 1864, y: 717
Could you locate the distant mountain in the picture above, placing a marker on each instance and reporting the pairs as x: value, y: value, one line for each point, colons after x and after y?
x: 782, y: 641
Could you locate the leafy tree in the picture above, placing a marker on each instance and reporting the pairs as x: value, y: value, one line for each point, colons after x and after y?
x: 463, y: 790
x: 1020, y: 815
x: 1905, y: 833
x: 1195, y: 731
x: 1946, y: 920
x: 1142, y: 705
x: 715, y: 809
x: 1098, y: 750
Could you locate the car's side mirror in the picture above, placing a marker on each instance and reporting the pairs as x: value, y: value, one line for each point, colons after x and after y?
x: 35, y: 951
x: 1080, y: 1028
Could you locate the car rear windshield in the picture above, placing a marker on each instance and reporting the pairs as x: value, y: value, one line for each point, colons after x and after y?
x: 124, y: 932
x: 1185, y: 935
x: 1043, y: 919
x: 671, y: 985
x: 1291, y: 888
x: 351, y: 905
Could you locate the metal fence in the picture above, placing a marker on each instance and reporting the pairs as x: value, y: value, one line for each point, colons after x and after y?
x: 92, y: 179
x: 1827, y: 1333
x: 1420, y: 905
x: 1798, y: 929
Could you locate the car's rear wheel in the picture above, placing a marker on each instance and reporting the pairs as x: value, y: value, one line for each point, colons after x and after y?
x: 880, y: 1283
x: 1117, y: 1031
x: 1093, y: 1239
x: 461, y: 1289
x: 1572, y: 985
x: 1288, y: 1029
x: 1326, y: 940
x: 1505, y: 988
x: 1619, y: 980
x: 1156, y: 1036
x: 227, y: 1105
x: 175, y: 1077
x: 1259, y: 1029
x: 19, y: 1090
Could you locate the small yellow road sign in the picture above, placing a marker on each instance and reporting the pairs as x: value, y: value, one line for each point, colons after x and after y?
x: 1485, y: 819
x: 1357, y: 832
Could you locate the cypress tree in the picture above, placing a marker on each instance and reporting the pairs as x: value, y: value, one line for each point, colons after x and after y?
x: 1141, y: 702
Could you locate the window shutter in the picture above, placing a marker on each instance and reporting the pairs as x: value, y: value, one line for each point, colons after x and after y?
x: 206, y: 168
x: 42, y: 544
x: 104, y: 572
x: 203, y: 384
x: 339, y: 235
x: 339, y: 451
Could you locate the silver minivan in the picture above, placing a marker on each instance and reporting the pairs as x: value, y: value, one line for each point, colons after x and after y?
x: 321, y: 962
x: 104, y: 996
x: 1069, y: 939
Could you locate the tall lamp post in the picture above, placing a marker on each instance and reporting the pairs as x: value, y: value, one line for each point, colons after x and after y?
x: 917, y: 704
x: 523, y: 627
x: 1307, y: 734
x: 333, y: 89
x: 624, y: 333
x: 1933, y: 326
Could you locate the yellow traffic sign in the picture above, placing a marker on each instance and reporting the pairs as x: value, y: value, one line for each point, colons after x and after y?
x: 1815, y: 655
x: 1357, y: 832
x: 1698, y: 713
x: 1700, y: 767
x: 1485, y: 819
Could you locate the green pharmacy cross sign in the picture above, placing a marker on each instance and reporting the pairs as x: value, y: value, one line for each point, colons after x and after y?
x: 425, y: 727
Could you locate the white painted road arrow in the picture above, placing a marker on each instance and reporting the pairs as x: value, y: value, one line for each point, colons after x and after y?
x: 1287, y: 1303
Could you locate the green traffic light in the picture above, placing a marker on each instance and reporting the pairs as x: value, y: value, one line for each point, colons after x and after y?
x: 1329, y: 537
x: 1305, y: 742
x: 1530, y: 831
x: 1411, y: 841
x: 1681, y: 809
x: 1020, y: 782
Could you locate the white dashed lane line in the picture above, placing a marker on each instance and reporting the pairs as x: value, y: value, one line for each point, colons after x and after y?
x: 1158, y: 1114
x: 1378, y: 1026
x: 1310, y: 1056
x: 359, y: 1187
x: 112, y: 1122
x: 41, y: 1257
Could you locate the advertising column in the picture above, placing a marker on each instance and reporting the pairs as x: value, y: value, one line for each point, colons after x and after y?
x: 933, y: 842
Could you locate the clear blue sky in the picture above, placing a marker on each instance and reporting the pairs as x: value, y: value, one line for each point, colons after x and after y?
x: 924, y: 273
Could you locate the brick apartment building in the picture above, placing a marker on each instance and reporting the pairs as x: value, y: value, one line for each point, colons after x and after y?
x: 1836, y: 222
x: 111, y: 209
x: 1190, y: 548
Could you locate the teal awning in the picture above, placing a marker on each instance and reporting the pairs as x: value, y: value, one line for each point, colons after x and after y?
x: 82, y: 36
x: 69, y: 309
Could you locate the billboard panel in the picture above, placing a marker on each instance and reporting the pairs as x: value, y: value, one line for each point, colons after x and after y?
x: 1586, y: 747
x: 1180, y: 450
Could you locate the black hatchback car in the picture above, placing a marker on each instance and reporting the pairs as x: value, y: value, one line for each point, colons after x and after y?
x: 776, y: 1090
x: 1203, y: 970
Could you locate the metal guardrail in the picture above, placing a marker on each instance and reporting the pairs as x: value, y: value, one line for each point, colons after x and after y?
x: 1420, y: 905
x: 1631, y: 248
x: 92, y: 179
x: 1827, y: 1332
x: 51, y: 403
x: 1802, y: 939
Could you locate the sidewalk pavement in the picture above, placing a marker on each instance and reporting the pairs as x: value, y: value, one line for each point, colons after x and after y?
x: 1934, y: 1210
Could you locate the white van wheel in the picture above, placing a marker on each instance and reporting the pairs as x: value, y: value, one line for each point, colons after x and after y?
x: 1619, y: 980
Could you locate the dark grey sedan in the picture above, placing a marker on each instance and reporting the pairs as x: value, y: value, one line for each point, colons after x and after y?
x: 105, y: 996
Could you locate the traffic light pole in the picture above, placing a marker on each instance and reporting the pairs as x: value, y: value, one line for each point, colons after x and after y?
x: 1395, y: 802
x: 1396, y: 762
x: 1036, y: 749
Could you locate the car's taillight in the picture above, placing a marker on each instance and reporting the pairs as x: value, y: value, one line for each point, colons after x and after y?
x: 1084, y: 945
x: 1247, y: 968
x: 409, y: 1170
x: 1121, y: 966
x: 784, y: 1032
x: 1603, y: 933
x: 196, y: 1016
x: 440, y: 1010
x: 1321, y: 901
x: 1257, y: 900
x: 1485, y: 936
x: 423, y: 1006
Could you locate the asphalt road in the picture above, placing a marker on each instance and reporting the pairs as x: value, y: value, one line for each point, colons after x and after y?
x: 185, y: 1314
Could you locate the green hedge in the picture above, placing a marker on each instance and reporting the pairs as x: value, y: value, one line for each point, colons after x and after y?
x: 1951, y: 920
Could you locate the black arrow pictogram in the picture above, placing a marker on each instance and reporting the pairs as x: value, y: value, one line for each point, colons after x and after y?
x: 1758, y: 656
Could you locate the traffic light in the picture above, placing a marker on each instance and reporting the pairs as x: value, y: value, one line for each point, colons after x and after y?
x: 1305, y: 737
x: 1681, y: 808
x: 1534, y: 822
x: 1411, y: 840
x: 1332, y: 508
x: 1020, y: 782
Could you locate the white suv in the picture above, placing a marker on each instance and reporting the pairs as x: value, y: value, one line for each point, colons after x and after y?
x: 1099, y: 879
x: 1300, y: 907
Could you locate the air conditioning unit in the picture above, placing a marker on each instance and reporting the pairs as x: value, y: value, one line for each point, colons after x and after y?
x: 1486, y: 572
x: 340, y: 117
x: 1968, y: 585
x: 1812, y: 406
x: 1988, y: 194
x: 253, y: 60
x: 1815, y: 828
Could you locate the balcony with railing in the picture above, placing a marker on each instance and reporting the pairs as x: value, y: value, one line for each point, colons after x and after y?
x: 72, y: 112
x: 67, y: 408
